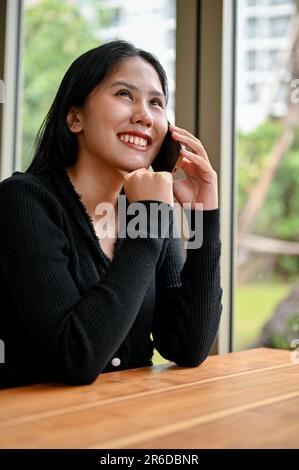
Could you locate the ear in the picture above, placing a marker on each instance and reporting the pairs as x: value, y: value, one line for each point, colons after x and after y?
x: 74, y: 120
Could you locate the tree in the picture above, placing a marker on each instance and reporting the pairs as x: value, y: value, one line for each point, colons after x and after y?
x: 283, y: 326
x: 280, y: 148
x: 55, y: 34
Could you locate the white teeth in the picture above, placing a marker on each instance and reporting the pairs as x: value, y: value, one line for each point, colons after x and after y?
x: 133, y: 140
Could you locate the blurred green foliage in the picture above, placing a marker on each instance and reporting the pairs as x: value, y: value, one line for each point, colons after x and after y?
x: 55, y: 33
x: 283, y: 341
x: 254, y: 306
x: 279, y: 215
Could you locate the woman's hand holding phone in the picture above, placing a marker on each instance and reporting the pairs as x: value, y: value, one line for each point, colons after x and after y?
x: 200, y: 184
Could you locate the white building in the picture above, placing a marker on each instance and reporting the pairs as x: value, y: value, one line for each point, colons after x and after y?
x: 150, y: 25
x: 264, y: 36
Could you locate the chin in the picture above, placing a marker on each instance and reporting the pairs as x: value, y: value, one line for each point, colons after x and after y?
x: 136, y: 166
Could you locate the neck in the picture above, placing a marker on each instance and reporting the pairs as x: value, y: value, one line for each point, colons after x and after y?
x: 96, y: 182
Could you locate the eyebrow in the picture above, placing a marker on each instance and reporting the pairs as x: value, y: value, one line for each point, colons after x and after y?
x: 134, y: 87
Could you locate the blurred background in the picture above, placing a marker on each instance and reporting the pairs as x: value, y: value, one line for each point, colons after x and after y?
x: 233, y: 70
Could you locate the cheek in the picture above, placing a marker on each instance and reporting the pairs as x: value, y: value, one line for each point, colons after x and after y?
x: 95, y: 132
x: 98, y: 126
x: 117, y: 112
x: 164, y: 124
x: 162, y: 128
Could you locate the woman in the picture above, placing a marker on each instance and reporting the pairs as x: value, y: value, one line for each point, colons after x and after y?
x: 78, y: 304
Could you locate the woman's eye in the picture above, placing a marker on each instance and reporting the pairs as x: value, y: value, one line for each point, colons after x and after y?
x: 124, y: 93
x: 157, y: 102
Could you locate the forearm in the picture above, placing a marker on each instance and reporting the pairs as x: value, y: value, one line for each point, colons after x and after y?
x: 187, y: 317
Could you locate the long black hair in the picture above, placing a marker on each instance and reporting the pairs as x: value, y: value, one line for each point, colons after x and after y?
x: 56, y: 146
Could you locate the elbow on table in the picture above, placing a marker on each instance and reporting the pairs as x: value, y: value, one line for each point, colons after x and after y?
x: 81, y: 367
x: 192, y: 360
x: 80, y: 378
x: 192, y: 363
x: 83, y: 374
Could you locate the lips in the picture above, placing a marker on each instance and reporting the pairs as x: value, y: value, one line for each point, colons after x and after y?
x: 134, y: 146
x: 135, y: 137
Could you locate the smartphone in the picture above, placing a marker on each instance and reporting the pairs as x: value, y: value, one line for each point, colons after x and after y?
x: 169, y: 155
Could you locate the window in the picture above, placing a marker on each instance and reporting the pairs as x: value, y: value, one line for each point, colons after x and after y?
x: 2, y: 92
x: 267, y: 136
x: 272, y: 58
x: 252, y: 27
x: 253, y: 92
x: 280, y: 2
x: 110, y: 16
x: 56, y: 32
x: 251, y: 60
x: 278, y: 26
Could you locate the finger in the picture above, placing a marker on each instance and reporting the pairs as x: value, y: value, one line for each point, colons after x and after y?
x: 197, y: 159
x: 172, y: 127
x: 192, y: 143
x: 123, y: 173
x: 137, y: 172
x: 184, y: 161
x: 179, y: 130
x: 140, y: 170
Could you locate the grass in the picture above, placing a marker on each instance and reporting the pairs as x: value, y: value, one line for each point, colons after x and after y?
x: 254, y: 305
x: 158, y: 359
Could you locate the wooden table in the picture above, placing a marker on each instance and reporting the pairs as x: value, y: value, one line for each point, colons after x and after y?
x: 248, y: 399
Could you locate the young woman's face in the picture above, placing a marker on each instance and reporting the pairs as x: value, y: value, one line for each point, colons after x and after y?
x: 123, y: 121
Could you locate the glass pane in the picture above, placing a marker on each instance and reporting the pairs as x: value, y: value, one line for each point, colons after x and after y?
x: 56, y: 32
x: 267, y: 117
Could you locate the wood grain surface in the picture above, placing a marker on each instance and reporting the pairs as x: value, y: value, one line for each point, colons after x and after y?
x: 247, y: 399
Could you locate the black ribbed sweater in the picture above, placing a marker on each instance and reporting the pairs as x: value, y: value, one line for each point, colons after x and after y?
x: 69, y: 313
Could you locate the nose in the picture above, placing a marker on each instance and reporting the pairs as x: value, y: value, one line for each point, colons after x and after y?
x: 142, y: 115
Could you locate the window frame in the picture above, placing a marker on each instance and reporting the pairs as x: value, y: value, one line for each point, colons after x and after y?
x: 10, y: 64
x: 204, y: 102
x: 210, y: 29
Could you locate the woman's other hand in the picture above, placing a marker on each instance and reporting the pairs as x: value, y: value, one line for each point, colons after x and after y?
x: 200, y: 184
x: 143, y: 184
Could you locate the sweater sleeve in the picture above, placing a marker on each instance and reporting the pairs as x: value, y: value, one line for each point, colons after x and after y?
x: 79, y: 334
x: 188, y: 299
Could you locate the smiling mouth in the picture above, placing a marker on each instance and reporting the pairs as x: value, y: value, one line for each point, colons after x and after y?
x: 134, y: 142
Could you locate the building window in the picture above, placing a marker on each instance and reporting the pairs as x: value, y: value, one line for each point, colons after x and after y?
x: 278, y: 26
x: 252, y: 27
x: 281, y: 2
x: 253, y: 92
x: 252, y: 60
x: 272, y: 58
